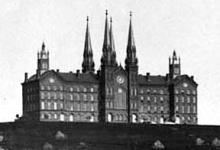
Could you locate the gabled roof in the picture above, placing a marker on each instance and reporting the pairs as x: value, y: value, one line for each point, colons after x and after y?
x: 180, y: 78
x: 69, y: 77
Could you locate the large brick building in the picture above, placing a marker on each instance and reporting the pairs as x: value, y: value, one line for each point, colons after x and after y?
x: 113, y: 93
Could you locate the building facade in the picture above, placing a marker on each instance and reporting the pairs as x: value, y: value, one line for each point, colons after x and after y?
x: 111, y: 94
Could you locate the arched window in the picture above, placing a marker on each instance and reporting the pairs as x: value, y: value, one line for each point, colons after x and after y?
x: 92, y: 118
x: 177, y: 120
x: 42, y: 105
x: 161, y: 119
x: 134, y: 118
x: 71, y: 118
x: 62, y: 117
x: 55, y: 116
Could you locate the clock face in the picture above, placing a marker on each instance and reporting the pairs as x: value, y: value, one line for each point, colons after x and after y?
x: 176, y: 70
x: 120, y: 79
x: 51, y: 80
x: 185, y: 84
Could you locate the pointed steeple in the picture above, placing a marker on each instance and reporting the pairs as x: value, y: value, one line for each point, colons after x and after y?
x: 112, y: 45
x: 88, y: 63
x: 106, y: 55
x: 106, y: 42
x: 131, y: 48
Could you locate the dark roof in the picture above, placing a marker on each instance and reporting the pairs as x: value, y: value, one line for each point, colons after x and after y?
x: 78, y: 77
x: 184, y: 77
x: 69, y: 77
x: 152, y: 80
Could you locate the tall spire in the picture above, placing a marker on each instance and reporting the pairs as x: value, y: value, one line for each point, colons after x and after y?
x: 106, y: 42
x: 112, y: 45
x: 106, y: 56
x: 88, y: 63
x: 131, y: 48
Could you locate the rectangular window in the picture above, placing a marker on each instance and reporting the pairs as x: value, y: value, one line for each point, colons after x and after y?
x: 54, y: 88
x: 91, y: 97
x: 155, y: 99
x: 176, y: 91
x: 194, y: 92
x: 188, y: 109
x: 188, y: 91
x: 55, y: 106
x: 49, y: 105
x: 194, y: 99
x: 183, y: 109
x: 61, y: 95
x: 42, y: 87
x: 141, y: 91
x: 194, y: 109
x: 188, y: 99
x: 48, y: 95
x: 142, y: 98
x: 92, y: 89
x: 61, y: 88
x: 161, y: 99
x: 48, y: 88
x: 182, y: 99
x: 135, y: 92
x: 42, y: 106
x: 42, y: 95
x: 177, y: 108
x: 176, y: 99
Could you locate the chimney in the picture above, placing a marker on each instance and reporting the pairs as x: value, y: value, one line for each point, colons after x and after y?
x: 192, y: 77
x: 147, y: 75
x: 77, y: 72
x: 58, y: 70
x: 25, y: 77
x: 98, y: 72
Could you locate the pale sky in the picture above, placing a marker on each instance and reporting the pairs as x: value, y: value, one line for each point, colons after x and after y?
x: 191, y: 27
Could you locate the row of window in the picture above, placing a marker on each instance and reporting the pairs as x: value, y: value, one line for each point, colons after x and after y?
x: 186, y: 119
x: 120, y: 117
x: 185, y: 109
x: 74, y: 96
x: 155, y: 99
x: 31, y: 98
x: 152, y: 109
x: 183, y: 99
x: 152, y: 91
x: 70, y: 89
x: 187, y: 91
x: 71, y: 107
x: 63, y: 117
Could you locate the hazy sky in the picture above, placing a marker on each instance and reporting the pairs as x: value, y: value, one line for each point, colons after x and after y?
x: 191, y: 27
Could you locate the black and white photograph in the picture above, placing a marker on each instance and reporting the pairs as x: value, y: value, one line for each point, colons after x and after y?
x: 110, y: 75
